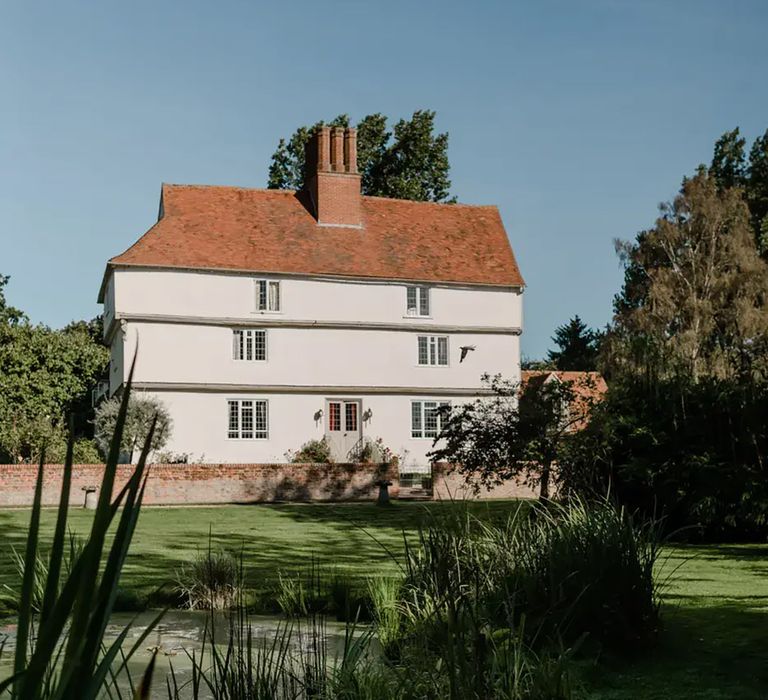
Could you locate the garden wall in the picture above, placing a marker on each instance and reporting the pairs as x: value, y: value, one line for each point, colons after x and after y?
x: 448, y: 484
x: 171, y: 484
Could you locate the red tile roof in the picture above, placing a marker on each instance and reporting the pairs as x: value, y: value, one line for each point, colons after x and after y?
x: 586, y: 384
x: 273, y: 231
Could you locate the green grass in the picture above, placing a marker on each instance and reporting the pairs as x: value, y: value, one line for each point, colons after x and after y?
x: 715, y: 612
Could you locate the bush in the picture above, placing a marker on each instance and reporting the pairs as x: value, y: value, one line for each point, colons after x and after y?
x: 211, y: 581
x: 312, y: 451
x: 569, y: 571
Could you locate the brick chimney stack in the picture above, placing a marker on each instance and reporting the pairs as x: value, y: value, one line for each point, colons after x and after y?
x: 331, y: 176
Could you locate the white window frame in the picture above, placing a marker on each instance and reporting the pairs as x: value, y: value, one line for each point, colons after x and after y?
x: 272, y: 304
x: 417, y: 301
x: 238, y: 429
x: 419, y: 408
x: 433, y: 351
x: 245, y: 333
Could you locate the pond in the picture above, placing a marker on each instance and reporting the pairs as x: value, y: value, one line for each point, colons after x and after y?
x: 181, y: 633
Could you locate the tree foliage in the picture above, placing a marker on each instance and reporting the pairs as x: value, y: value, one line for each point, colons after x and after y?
x: 410, y: 162
x: 9, y: 316
x: 693, y: 303
x: 682, y: 430
x: 45, y: 375
x: 142, y: 410
x: 578, y: 347
x: 731, y: 169
x: 517, y: 432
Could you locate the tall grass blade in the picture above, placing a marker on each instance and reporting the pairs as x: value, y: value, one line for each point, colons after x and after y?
x: 57, y: 548
x: 28, y: 581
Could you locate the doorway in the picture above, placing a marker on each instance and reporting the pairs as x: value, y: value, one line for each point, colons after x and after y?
x: 342, y: 427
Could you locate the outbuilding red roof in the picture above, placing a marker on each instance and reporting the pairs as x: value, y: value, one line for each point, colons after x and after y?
x: 273, y: 231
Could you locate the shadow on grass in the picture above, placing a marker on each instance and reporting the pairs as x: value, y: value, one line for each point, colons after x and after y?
x: 715, y: 651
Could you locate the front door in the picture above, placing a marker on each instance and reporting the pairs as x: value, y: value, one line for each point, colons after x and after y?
x: 342, y: 428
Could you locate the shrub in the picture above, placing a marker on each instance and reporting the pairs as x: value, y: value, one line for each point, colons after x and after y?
x: 142, y: 412
x: 312, y: 451
x: 568, y: 570
x: 211, y: 581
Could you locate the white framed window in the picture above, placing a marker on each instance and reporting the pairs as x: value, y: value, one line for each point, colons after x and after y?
x: 417, y: 301
x: 427, y: 419
x: 433, y: 350
x: 249, y: 344
x: 247, y: 419
x: 267, y: 295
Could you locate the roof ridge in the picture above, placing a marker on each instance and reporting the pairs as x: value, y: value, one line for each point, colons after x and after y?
x: 468, y: 205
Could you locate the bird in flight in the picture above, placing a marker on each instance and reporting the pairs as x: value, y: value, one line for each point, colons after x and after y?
x: 465, y: 349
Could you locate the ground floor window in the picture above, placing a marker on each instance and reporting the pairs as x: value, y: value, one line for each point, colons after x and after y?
x: 426, y: 418
x: 247, y: 419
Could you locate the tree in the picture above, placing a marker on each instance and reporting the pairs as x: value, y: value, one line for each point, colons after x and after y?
x: 44, y: 376
x: 757, y: 190
x: 728, y: 161
x: 411, y: 162
x: 730, y: 168
x: 9, y: 316
x: 518, y: 432
x: 142, y: 410
x: 578, y: 347
x: 693, y: 303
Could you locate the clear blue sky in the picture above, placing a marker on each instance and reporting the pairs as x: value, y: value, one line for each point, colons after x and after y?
x: 575, y: 118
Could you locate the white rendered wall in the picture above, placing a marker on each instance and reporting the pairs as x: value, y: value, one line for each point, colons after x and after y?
x: 200, y: 425
x: 210, y: 295
x: 192, y: 352
x: 179, y: 353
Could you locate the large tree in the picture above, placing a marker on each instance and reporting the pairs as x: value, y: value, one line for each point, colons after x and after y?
x: 577, y: 347
x: 694, y: 299
x: 45, y: 375
x: 410, y: 162
x: 730, y: 168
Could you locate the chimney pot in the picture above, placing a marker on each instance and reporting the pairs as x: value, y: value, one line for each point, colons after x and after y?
x: 331, y: 178
x: 350, y: 149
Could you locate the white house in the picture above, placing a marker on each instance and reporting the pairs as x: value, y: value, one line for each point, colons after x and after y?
x: 266, y: 318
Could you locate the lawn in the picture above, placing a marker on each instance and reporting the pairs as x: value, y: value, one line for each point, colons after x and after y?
x: 713, y: 644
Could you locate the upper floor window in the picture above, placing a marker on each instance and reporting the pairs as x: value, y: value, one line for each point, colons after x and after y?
x: 433, y: 350
x: 428, y: 418
x: 417, y: 301
x: 268, y: 295
x: 249, y: 344
x: 247, y: 419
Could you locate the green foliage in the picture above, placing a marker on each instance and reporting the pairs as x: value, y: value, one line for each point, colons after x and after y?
x: 694, y: 299
x: 730, y: 168
x: 411, y: 162
x: 312, y: 452
x: 578, y: 347
x: 694, y: 453
x: 516, y: 432
x: 9, y: 316
x: 211, y: 581
x: 757, y: 190
x: 62, y: 620
x: 44, y: 375
x: 550, y: 573
x: 729, y: 162
x: 142, y: 412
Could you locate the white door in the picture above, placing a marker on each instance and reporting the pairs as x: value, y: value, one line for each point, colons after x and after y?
x: 342, y: 427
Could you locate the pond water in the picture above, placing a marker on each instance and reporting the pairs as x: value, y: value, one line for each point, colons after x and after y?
x: 179, y: 633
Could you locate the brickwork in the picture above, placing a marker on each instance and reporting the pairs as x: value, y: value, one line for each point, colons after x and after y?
x: 448, y: 484
x: 178, y: 484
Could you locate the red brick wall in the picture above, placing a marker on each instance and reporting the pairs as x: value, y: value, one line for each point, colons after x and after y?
x: 447, y: 484
x: 208, y: 483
